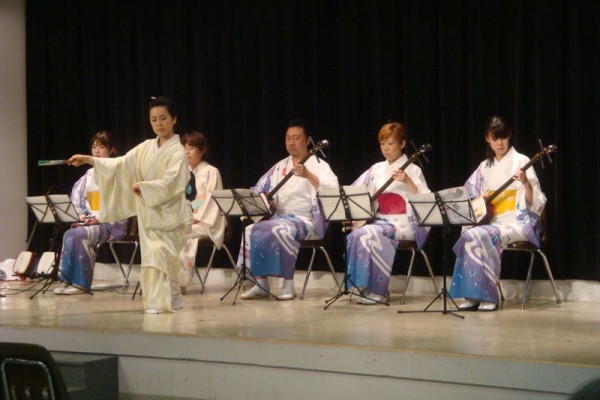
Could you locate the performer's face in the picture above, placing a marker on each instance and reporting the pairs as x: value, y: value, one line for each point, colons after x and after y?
x: 296, y: 142
x: 99, y: 150
x: 194, y: 155
x: 162, y: 122
x: 500, y: 146
x: 392, y: 149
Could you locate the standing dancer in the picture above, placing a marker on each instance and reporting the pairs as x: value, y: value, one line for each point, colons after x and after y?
x: 149, y: 181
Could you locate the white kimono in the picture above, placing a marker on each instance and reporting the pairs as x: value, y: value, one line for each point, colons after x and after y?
x: 371, y: 249
x: 163, y: 213
x: 404, y: 222
x: 479, y: 248
x: 272, y: 245
x: 208, y: 221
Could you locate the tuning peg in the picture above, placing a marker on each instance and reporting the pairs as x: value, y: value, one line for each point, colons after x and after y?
x: 422, y: 154
x: 324, y: 145
x: 547, y: 153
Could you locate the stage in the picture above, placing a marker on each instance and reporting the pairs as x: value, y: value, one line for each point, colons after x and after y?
x: 266, y: 349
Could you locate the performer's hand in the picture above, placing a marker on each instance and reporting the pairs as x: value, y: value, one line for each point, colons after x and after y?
x: 91, y: 221
x: 301, y: 170
x: 136, y: 189
x: 401, y: 176
x: 346, y: 226
x: 80, y: 159
x: 521, y: 176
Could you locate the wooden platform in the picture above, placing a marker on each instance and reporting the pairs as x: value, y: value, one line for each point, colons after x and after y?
x: 265, y: 349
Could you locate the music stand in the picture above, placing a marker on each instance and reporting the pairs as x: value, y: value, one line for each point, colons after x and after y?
x: 345, y: 203
x: 246, y: 204
x: 446, y: 209
x: 58, y: 210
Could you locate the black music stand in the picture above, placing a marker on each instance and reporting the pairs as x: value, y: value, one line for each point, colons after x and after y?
x: 246, y: 204
x: 346, y: 203
x: 446, y: 209
x: 56, y: 209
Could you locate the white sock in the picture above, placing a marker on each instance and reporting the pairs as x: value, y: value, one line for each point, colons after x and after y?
x: 288, y: 285
x: 263, y: 283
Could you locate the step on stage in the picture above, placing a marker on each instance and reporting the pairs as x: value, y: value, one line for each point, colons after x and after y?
x: 266, y: 349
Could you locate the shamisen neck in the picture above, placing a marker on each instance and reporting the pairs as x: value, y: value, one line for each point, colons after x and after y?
x: 297, y: 159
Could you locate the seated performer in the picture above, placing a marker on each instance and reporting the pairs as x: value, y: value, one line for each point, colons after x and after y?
x: 371, y: 249
x: 206, y: 222
x: 78, y: 254
x: 272, y: 245
x: 150, y: 181
x: 516, y: 218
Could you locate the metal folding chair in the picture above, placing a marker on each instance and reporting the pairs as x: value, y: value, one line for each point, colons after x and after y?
x: 314, y: 245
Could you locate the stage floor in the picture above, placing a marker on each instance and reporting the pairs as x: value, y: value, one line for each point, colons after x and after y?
x: 566, y: 333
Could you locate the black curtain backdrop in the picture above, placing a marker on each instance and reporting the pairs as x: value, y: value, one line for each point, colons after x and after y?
x: 239, y: 70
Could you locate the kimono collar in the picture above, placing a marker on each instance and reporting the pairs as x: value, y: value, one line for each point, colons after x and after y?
x: 173, y: 140
x: 508, y: 156
x: 396, y: 164
x: 199, y: 166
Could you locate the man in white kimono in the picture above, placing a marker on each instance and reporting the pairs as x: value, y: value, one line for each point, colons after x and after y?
x: 272, y: 245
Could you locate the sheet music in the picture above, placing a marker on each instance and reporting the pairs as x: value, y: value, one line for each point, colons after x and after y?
x: 359, y: 203
x: 425, y: 208
x: 254, y: 203
x: 458, y: 205
x: 39, y: 206
x: 455, y: 200
x: 65, y: 210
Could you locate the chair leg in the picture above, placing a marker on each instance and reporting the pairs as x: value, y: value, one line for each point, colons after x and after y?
x: 410, y: 267
x: 135, y: 250
x: 137, y: 286
x: 310, y: 265
x: 337, y: 283
x: 549, y: 272
x: 118, y: 260
x: 499, y: 286
x: 528, y: 281
x: 210, y: 262
x: 233, y: 264
x: 120, y: 264
x: 197, y: 269
x: 429, y: 269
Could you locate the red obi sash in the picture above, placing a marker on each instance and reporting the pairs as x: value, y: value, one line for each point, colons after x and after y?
x: 391, y: 203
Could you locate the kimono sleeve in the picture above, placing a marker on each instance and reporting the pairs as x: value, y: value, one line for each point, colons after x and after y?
x: 326, y: 176
x: 474, y: 183
x: 115, y: 177
x: 209, y: 213
x: 365, y: 179
x: 416, y: 175
x: 264, y: 183
x: 214, y: 182
x: 539, y: 198
x: 78, y: 197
